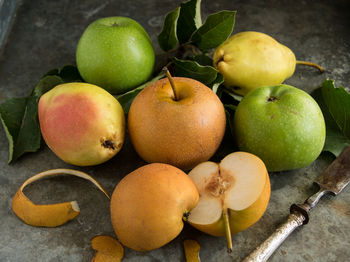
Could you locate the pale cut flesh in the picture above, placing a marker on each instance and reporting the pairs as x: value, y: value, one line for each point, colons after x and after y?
x: 207, y: 211
x: 235, y: 183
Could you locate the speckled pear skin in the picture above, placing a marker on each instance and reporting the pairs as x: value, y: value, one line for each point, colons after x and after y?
x: 82, y: 124
x: 182, y: 133
x: 283, y: 125
x: 251, y: 59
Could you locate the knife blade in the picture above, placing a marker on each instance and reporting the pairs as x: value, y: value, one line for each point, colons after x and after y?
x: 332, y: 181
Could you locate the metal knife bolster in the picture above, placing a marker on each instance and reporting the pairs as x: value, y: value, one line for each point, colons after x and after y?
x: 265, y: 249
x: 335, y: 178
x: 299, y: 215
x: 309, y: 203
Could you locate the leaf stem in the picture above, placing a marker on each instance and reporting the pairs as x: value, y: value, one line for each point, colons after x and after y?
x: 171, y: 80
x: 307, y: 63
x: 174, y: 49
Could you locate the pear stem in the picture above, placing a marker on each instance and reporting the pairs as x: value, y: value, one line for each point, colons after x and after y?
x: 171, y: 80
x: 320, y: 68
x: 227, y: 230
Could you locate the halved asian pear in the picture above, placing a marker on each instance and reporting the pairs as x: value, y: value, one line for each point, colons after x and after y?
x: 234, y: 194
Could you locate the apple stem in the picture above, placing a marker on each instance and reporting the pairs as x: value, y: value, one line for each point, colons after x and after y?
x: 320, y: 68
x: 227, y: 230
x: 171, y: 82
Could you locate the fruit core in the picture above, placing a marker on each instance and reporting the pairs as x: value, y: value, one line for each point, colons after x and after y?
x: 218, y: 184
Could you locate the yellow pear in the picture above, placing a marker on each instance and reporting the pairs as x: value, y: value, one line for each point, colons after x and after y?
x: 248, y: 60
x: 149, y: 204
x: 234, y: 194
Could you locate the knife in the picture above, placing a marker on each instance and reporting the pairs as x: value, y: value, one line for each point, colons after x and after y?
x: 332, y: 181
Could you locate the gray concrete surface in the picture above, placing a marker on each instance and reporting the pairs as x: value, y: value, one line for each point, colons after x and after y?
x: 45, y: 36
x: 7, y: 16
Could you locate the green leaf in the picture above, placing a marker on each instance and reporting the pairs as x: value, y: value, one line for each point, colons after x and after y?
x: 19, y: 118
x: 126, y: 99
x: 228, y: 144
x: 70, y: 73
x: 215, y: 30
x: 52, y: 72
x: 233, y: 95
x: 203, y: 60
x: 189, y: 20
x: 231, y: 108
x: 11, y: 113
x: 336, y: 140
x: 216, y: 83
x: 338, y: 104
x: 191, y: 69
x: 29, y: 136
x: 46, y: 84
x: 167, y: 38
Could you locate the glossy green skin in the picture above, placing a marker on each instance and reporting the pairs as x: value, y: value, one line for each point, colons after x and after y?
x: 116, y: 54
x: 286, y: 133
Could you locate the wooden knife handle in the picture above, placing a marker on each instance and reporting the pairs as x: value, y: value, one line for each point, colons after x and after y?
x: 265, y: 249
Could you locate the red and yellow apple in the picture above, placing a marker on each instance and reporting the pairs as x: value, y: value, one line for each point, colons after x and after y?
x: 82, y: 123
x: 182, y: 131
x: 148, y: 206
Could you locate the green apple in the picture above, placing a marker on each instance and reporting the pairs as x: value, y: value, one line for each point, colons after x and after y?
x: 116, y: 54
x: 281, y: 124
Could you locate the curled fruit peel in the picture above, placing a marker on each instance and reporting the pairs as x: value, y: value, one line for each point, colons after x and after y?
x: 107, y: 249
x: 48, y: 215
x: 192, y: 248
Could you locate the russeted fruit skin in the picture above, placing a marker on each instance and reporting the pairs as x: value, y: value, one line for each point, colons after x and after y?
x: 115, y: 53
x: 148, y: 205
x: 81, y: 123
x: 248, y: 60
x: 182, y: 133
x: 240, y: 183
x: 283, y: 125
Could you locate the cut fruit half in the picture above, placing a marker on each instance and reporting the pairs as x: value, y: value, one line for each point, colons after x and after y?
x: 234, y: 194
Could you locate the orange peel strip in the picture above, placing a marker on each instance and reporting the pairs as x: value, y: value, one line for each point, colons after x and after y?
x: 192, y: 248
x: 48, y: 215
x: 107, y: 248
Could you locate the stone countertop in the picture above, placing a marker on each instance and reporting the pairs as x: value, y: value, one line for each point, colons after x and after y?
x: 45, y: 35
